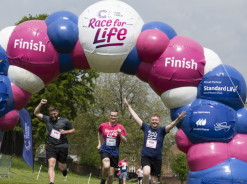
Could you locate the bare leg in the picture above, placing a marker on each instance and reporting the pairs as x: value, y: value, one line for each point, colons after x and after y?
x: 154, y: 179
x: 51, y: 172
x: 111, y: 175
x: 106, y: 166
x: 146, y: 173
x: 124, y: 181
x: 61, y: 166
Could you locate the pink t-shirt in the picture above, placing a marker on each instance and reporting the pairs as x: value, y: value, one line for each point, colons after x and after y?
x: 111, y: 139
x: 124, y: 166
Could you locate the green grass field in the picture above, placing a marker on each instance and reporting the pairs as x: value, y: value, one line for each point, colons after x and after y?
x: 22, y: 176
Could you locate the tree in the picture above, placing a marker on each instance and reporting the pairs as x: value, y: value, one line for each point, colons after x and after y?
x: 37, y: 17
x: 109, y: 93
x: 71, y: 92
x: 179, y: 167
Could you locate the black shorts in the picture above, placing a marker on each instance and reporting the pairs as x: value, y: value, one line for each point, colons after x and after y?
x: 59, y: 153
x: 113, y: 160
x: 140, y: 178
x: 155, y: 165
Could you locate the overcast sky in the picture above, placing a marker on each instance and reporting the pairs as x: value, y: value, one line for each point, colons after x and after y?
x: 220, y: 25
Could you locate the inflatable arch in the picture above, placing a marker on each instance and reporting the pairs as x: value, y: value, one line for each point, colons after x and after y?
x: 111, y: 37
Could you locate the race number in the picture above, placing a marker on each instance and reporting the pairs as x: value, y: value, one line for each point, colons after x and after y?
x: 55, y: 134
x: 110, y: 142
x: 124, y: 166
x: 151, y: 143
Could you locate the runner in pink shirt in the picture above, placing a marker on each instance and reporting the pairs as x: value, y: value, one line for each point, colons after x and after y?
x: 112, y: 133
x: 123, y: 164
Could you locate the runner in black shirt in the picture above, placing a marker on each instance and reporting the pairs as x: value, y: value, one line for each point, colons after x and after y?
x: 57, y: 129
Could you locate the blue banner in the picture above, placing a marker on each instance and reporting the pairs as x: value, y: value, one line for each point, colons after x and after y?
x: 220, y: 88
x: 212, y: 122
x: 223, y: 84
x: 26, y: 125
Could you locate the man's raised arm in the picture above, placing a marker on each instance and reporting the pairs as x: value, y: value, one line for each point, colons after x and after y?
x: 38, y: 109
x: 132, y: 112
x: 175, y: 122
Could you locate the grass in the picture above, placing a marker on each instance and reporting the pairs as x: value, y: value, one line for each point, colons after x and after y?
x: 25, y: 175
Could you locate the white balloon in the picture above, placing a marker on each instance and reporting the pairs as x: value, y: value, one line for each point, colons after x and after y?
x: 179, y: 97
x: 4, y: 36
x: 108, y: 31
x: 212, y: 60
x: 25, y: 79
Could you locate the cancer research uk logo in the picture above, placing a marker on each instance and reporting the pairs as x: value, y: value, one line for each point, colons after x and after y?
x: 27, y: 146
x: 100, y: 14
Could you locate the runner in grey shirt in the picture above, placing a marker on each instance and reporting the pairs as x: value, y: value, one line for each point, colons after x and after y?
x: 57, y: 129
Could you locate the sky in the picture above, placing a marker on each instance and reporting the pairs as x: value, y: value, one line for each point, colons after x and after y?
x: 220, y: 25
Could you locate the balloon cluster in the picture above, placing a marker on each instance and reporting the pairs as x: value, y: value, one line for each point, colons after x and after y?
x: 111, y: 37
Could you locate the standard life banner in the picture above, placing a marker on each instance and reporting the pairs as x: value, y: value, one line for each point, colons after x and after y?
x: 220, y: 88
x: 26, y: 125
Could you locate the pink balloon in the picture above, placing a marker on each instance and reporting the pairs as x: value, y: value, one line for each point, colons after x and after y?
x: 183, y: 143
x: 30, y: 48
x: 205, y: 155
x: 78, y: 57
x: 21, y: 96
x: 181, y: 65
x: 238, y: 146
x: 9, y: 120
x: 151, y: 44
x: 143, y: 71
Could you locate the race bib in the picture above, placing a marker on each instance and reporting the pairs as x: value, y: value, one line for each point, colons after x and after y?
x: 110, y: 142
x: 55, y: 134
x: 151, y: 143
x: 124, y: 166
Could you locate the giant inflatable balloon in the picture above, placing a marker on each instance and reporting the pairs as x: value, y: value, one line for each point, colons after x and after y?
x: 111, y: 37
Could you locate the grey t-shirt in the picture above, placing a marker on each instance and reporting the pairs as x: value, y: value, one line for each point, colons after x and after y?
x: 52, y: 128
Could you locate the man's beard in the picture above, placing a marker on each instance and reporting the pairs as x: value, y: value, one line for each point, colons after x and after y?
x: 54, y: 118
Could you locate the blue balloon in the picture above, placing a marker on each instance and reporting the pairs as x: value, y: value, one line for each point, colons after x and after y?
x: 8, y: 105
x: 232, y: 170
x: 218, y: 86
x: 209, y: 121
x: 174, y: 113
x: 241, y: 125
x: 131, y: 63
x: 64, y: 15
x: 65, y: 63
x: 165, y: 28
x: 4, y: 63
x: 63, y: 35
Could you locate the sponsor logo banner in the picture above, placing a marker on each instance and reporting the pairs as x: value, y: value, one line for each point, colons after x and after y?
x: 108, y: 30
x: 212, y: 122
x: 26, y: 124
x: 219, y: 88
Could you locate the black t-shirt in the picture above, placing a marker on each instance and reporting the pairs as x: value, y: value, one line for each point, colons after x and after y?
x: 54, y: 137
